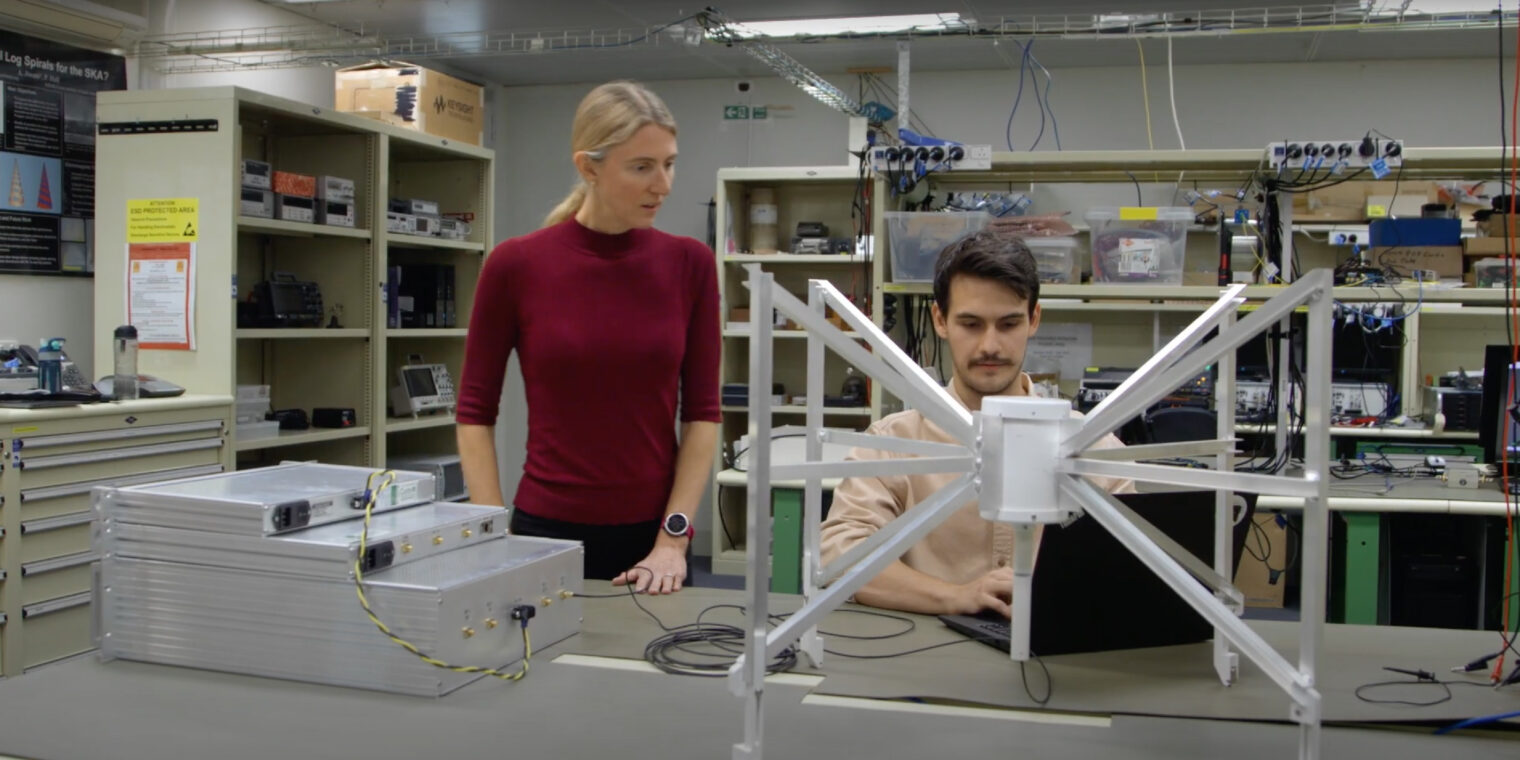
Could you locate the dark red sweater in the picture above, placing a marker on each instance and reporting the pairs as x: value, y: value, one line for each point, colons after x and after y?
x: 607, y: 329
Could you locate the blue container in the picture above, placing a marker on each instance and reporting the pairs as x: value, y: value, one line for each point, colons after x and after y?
x: 50, y: 375
x: 1416, y: 232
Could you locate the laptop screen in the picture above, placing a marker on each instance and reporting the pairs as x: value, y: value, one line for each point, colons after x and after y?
x: 1092, y: 594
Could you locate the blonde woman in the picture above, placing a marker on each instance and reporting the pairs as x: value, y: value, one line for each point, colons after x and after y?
x: 615, y: 325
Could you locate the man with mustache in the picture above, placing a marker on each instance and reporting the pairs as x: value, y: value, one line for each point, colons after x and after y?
x: 986, y: 306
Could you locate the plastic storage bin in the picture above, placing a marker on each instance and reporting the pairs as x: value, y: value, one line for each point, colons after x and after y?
x: 1139, y: 245
x: 917, y: 237
x: 1054, y: 257
x: 1490, y: 273
x: 252, y: 431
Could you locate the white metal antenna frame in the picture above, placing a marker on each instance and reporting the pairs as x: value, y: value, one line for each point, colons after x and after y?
x: 1024, y: 461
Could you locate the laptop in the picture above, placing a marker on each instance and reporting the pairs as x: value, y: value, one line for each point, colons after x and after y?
x: 1093, y: 595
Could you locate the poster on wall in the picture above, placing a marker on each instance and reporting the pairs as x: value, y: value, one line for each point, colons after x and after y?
x: 47, y: 152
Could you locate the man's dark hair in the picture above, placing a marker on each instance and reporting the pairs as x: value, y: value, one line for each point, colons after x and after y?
x: 991, y: 256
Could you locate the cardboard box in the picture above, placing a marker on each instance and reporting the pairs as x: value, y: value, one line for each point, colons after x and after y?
x: 1444, y: 260
x: 1405, y: 204
x: 1495, y: 225
x: 1490, y: 246
x: 413, y: 97
x: 1254, y: 577
x: 1360, y: 200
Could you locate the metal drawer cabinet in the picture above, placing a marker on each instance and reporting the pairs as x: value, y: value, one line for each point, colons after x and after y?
x: 49, y: 464
x: 55, y: 629
x: 62, y: 459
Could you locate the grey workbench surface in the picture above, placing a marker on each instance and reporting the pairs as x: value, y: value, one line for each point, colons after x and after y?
x: 85, y: 709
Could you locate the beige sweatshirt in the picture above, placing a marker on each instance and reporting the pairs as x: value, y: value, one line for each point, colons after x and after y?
x: 964, y: 547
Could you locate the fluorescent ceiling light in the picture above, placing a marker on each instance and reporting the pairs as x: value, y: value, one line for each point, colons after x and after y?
x: 823, y: 27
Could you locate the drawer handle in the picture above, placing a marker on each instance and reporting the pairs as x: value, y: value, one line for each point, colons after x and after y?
x: 55, y: 523
x: 56, y: 564
x: 133, y: 452
x: 75, y: 489
x: 117, y: 434
x: 55, y: 605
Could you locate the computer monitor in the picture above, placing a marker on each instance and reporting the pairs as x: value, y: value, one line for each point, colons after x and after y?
x: 1357, y: 353
x: 1497, y: 430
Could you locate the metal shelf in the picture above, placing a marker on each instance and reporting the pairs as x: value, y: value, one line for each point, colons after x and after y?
x: 422, y: 242
x: 403, y: 424
x: 730, y: 332
x: 299, y: 333
x: 828, y: 411
x: 1369, y: 432
x: 298, y: 229
x: 1133, y: 296
x: 426, y: 332
x: 1062, y: 305
x: 796, y: 258
x: 298, y: 437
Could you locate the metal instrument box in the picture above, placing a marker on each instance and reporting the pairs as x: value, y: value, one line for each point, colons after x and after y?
x: 327, y: 551
x: 456, y: 606
x: 294, y: 208
x: 260, y: 502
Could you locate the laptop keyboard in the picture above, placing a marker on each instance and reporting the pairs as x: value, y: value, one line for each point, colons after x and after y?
x: 994, y: 629
x: 989, y: 628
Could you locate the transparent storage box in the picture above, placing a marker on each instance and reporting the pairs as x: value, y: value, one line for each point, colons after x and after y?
x: 1490, y: 273
x: 252, y: 431
x: 917, y: 237
x: 1139, y: 245
x: 1054, y: 257
x: 253, y: 393
x: 252, y: 411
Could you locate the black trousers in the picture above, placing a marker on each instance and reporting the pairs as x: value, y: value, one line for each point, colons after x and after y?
x: 610, y: 549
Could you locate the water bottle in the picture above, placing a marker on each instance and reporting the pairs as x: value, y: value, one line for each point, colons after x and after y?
x: 50, y: 364
x: 124, y: 349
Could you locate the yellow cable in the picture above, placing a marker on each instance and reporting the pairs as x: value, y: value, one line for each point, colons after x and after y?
x: 1145, y: 91
x: 373, y: 494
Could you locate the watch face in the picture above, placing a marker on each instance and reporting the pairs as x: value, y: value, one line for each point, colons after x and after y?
x: 675, y: 524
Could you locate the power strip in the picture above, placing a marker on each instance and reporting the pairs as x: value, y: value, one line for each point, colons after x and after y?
x: 932, y: 158
x: 1356, y: 153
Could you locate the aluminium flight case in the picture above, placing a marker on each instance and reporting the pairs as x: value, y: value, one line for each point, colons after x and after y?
x: 456, y: 606
x: 395, y: 538
x: 260, y: 502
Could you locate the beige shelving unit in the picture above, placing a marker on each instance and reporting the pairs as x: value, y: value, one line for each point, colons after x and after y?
x: 1130, y: 322
x: 350, y: 366
x: 821, y: 194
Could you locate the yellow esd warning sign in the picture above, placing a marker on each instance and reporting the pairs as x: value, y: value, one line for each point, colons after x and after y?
x: 163, y: 220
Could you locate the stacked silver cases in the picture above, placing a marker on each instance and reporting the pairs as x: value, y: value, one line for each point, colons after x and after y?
x: 215, y: 573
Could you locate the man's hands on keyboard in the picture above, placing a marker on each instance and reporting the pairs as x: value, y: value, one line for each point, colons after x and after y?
x: 993, y: 591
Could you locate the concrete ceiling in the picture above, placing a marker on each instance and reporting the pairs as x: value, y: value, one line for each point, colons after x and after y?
x: 393, y: 18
